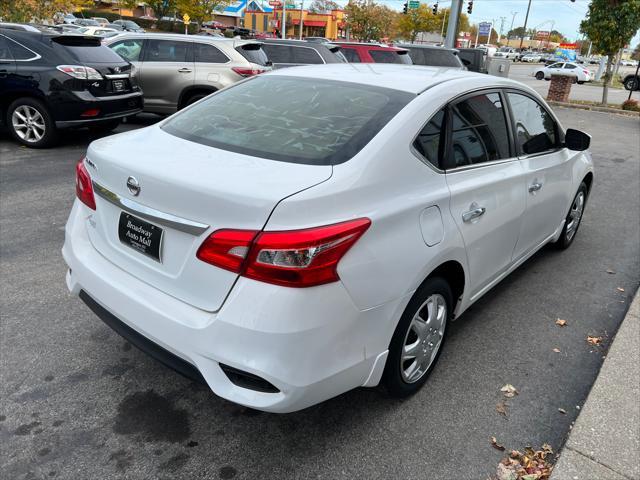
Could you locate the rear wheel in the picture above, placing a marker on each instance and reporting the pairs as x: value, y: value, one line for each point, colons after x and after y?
x: 580, y: 82
x: 631, y: 84
x: 417, y: 341
x: 193, y: 98
x: 30, y: 123
x: 539, y: 75
x: 573, y: 219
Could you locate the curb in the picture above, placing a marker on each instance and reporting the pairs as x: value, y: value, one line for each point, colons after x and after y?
x: 594, y: 108
x: 606, y: 436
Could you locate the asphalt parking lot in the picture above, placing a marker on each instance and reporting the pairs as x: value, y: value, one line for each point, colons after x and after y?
x: 78, y: 402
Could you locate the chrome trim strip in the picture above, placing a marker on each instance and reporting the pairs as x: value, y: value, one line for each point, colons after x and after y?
x: 148, y: 213
x: 116, y: 75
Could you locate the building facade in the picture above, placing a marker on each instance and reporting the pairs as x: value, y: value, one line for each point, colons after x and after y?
x: 330, y: 25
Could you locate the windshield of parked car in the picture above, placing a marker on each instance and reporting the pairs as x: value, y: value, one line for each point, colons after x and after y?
x: 291, y: 119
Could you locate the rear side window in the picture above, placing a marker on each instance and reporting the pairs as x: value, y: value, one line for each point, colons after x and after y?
x: 429, y: 141
x: 323, y: 122
x: 535, y: 128
x: 307, y: 56
x: 385, y: 56
x: 479, y: 131
x: 278, y: 53
x: 128, y: 49
x: 5, y: 54
x: 351, y: 55
x: 19, y: 52
x: 166, y: 51
x: 205, y: 53
x: 253, y: 53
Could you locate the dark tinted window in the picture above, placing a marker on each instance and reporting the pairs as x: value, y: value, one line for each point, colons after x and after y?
x: 385, y: 56
x: 166, y: 51
x: 428, y: 142
x: 278, y: 53
x: 350, y: 54
x: 479, y: 130
x: 434, y: 57
x: 535, y: 128
x: 128, y: 49
x: 568, y: 66
x: 205, y: 53
x: 5, y: 54
x: 306, y: 55
x: 298, y: 120
x: 254, y: 53
x: 19, y: 52
x: 93, y: 54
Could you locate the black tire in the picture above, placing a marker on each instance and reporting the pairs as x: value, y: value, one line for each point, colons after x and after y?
x: 569, y: 233
x: 539, y: 76
x: 580, y: 82
x: 631, y: 84
x: 41, y: 123
x: 393, y: 377
x: 193, y: 98
x: 105, y: 127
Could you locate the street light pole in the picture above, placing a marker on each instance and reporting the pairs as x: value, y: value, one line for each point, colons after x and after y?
x: 452, y: 28
x: 284, y: 19
x: 513, y: 17
x: 444, y: 20
x: 526, y: 18
x: 301, y: 7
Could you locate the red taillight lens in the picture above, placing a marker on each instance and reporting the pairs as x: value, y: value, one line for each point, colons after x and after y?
x: 296, y: 258
x: 247, y: 72
x: 84, y: 188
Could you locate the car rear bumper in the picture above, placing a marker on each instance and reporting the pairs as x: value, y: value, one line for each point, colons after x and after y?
x: 310, y: 344
x: 71, y: 112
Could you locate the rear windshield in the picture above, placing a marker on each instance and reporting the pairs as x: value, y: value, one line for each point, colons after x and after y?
x: 290, y: 119
x: 94, y: 54
x: 434, y: 57
x: 390, y: 56
x: 254, y: 53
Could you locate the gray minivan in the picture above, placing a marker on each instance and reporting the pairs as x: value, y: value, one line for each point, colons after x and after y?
x: 176, y: 70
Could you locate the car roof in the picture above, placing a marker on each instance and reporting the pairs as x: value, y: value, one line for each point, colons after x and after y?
x: 432, y: 47
x: 182, y: 36
x: 409, y: 78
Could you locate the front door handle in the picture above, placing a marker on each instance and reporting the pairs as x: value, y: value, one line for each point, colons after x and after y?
x: 474, y: 213
x: 534, y: 187
x: 185, y: 70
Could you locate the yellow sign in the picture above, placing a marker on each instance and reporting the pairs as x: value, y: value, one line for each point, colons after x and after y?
x: 186, y: 18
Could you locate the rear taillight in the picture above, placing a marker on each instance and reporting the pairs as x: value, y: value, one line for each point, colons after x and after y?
x: 295, y: 258
x: 247, y: 72
x: 84, y: 188
x: 80, y: 71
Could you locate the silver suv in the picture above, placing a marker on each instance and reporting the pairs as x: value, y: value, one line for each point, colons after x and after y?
x: 177, y: 70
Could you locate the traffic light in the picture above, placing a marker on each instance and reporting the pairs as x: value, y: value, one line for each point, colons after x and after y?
x: 406, y: 7
x: 435, y: 9
x: 470, y: 7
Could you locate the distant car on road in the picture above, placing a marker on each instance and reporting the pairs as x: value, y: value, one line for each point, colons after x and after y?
x: 291, y: 53
x: 129, y: 26
x: 579, y: 73
x: 316, y: 230
x: 360, y: 52
x: 432, y: 56
x: 50, y: 81
x: 176, y: 70
x: 507, y: 52
x: 103, y: 22
x: 64, y: 18
x: 87, y: 22
x: 531, y: 58
x: 96, y: 31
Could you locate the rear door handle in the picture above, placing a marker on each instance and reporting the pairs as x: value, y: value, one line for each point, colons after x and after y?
x: 474, y: 213
x: 185, y: 70
x: 534, y: 187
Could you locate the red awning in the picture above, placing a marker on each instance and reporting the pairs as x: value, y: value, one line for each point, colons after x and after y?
x: 315, y: 23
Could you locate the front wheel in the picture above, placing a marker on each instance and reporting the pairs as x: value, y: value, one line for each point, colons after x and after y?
x: 417, y: 341
x: 631, y: 84
x: 539, y: 75
x: 573, y: 219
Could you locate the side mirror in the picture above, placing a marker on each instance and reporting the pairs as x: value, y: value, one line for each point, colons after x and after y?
x: 577, y: 140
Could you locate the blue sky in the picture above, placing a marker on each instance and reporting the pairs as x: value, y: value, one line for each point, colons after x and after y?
x: 566, y: 14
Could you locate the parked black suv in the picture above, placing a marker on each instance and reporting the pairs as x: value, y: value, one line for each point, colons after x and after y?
x: 50, y: 81
x: 289, y: 53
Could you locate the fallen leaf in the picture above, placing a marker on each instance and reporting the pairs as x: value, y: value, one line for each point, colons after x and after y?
x: 503, y: 472
x: 530, y: 476
x: 620, y: 289
x: 557, y: 350
x: 561, y: 323
x: 562, y: 411
x: 496, y: 445
x: 594, y: 340
x: 509, y: 390
x: 501, y: 407
x: 610, y: 271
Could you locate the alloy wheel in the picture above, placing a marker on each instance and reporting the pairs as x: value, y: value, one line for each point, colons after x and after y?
x: 28, y: 123
x: 423, y: 338
x: 575, y: 215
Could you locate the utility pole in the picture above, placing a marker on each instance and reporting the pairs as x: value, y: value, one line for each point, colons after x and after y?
x: 444, y: 20
x: 301, y: 7
x: 513, y: 17
x: 452, y: 28
x: 502, y: 19
x: 284, y: 19
x: 526, y: 18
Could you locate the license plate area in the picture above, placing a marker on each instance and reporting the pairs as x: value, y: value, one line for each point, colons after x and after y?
x: 119, y: 85
x: 140, y: 235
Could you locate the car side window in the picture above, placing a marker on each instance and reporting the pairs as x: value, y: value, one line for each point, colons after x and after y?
x: 166, y: 51
x: 278, y: 53
x: 128, y: 49
x: 568, y: 66
x: 429, y: 141
x: 205, y: 53
x: 307, y: 56
x: 19, y: 52
x: 5, y: 54
x: 555, y: 65
x: 478, y: 131
x: 351, y: 54
x: 535, y: 128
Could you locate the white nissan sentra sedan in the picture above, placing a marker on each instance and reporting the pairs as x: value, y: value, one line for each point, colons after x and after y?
x: 314, y: 229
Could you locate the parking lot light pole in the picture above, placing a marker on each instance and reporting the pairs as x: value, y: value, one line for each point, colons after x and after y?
x: 284, y: 19
x: 526, y: 18
x: 452, y: 28
x: 301, y: 7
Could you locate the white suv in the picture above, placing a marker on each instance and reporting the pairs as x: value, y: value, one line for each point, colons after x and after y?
x: 312, y: 230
